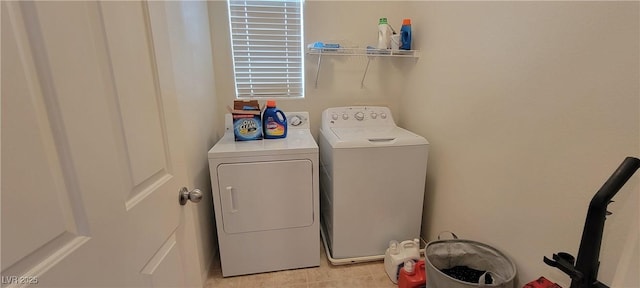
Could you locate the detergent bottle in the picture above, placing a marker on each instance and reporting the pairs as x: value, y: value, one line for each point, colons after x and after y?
x: 384, y: 34
x: 397, y: 254
x: 405, y: 35
x: 274, y: 122
x: 412, y: 275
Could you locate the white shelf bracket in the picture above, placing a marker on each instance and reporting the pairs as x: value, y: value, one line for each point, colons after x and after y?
x: 318, y: 69
x: 365, y: 72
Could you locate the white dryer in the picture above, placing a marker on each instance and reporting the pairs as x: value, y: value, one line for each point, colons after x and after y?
x: 265, y: 197
x: 372, y: 182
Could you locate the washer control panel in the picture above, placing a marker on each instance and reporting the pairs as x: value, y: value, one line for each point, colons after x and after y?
x: 357, y: 116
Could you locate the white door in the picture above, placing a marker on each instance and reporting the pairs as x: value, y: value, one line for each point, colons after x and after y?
x: 90, y: 154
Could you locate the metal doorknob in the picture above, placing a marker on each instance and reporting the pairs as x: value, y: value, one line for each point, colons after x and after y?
x: 194, y: 195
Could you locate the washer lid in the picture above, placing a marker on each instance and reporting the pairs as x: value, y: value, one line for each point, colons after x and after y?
x: 376, y: 136
x: 297, y: 141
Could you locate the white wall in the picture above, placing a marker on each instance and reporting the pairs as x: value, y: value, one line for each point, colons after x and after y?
x: 528, y: 106
x: 339, y: 79
x: 195, y: 91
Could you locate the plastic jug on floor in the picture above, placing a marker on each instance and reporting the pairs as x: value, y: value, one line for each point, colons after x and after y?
x: 412, y: 275
x: 397, y: 254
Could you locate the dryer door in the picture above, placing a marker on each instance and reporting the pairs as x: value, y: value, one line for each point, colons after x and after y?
x: 259, y: 196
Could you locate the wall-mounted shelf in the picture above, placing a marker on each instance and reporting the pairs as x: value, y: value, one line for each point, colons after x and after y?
x: 369, y: 53
x: 363, y: 52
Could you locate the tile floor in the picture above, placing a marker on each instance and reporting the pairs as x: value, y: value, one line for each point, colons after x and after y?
x: 363, y: 275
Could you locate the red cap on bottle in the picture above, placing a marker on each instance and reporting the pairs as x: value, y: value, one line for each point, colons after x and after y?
x: 271, y: 103
x: 406, y: 21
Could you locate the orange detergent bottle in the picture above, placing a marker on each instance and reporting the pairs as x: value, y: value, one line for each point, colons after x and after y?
x: 412, y: 275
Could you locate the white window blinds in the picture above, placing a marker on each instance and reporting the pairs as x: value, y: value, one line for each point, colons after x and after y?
x: 267, y: 49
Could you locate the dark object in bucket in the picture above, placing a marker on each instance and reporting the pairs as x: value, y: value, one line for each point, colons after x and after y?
x: 466, y: 274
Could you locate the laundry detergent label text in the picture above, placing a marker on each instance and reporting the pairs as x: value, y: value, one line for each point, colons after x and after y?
x: 247, y: 128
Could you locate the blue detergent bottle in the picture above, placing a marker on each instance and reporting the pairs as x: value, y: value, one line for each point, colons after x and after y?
x: 405, y: 35
x: 274, y: 122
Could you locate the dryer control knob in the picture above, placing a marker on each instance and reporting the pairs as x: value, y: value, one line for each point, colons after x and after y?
x: 334, y: 116
x: 359, y: 116
x: 295, y: 120
x: 345, y: 116
x: 374, y: 115
x: 383, y: 115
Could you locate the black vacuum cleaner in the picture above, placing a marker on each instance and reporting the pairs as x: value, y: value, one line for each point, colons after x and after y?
x: 584, y: 273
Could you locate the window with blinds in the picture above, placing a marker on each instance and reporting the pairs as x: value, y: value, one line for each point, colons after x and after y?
x: 267, y: 49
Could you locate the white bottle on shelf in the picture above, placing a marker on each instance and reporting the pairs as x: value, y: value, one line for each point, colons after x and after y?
x: 384, y: 34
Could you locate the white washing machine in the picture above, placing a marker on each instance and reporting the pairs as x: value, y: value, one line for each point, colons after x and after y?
x: 372, y: 182
x: 265, y: 197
